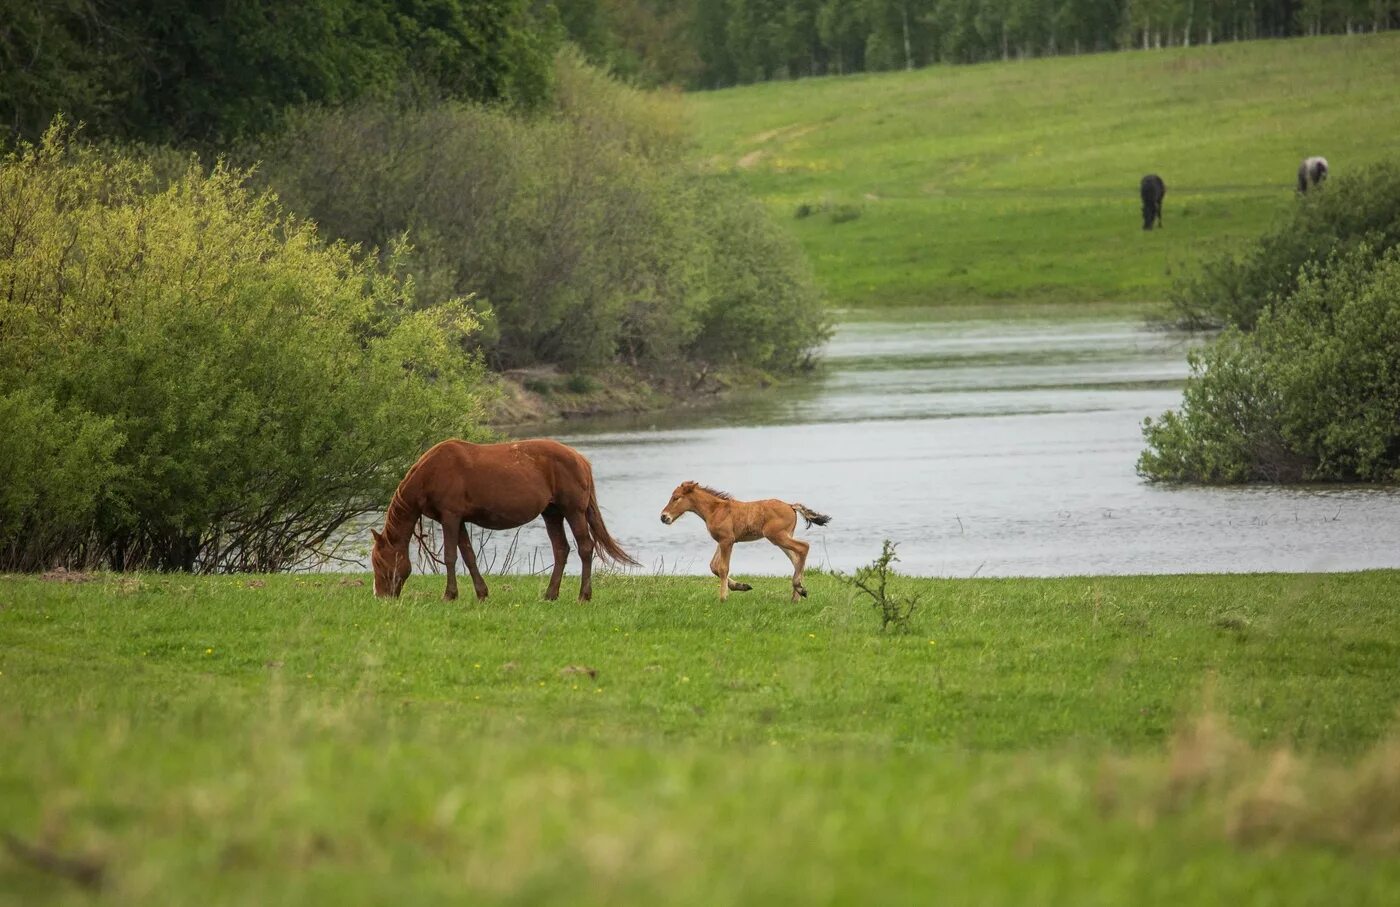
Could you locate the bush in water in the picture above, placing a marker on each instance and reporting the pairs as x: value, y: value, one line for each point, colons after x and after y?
x: 197, y: 381
x: 1311, y: 394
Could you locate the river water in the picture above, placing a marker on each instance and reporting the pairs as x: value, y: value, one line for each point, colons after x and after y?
x: 981, y: 448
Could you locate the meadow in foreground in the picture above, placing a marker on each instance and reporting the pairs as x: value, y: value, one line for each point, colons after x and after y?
x: 1183, y: 740
x: 1018, y: 182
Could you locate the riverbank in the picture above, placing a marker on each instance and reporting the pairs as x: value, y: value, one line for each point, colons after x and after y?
x: 1012, y: 182
x: 527, y: 398
x: 1138, y: 740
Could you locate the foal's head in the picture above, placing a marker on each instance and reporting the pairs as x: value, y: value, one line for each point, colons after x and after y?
x: 682, y: 502
x: 391, y: 566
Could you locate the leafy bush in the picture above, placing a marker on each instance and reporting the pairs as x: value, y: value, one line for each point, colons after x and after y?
x: 844, y: 213
x: 1312, y: 393
x: 760, y: 306
x: 1362, y: 207
x: 208, y: 385
x: 583, y: 234
x: 55, y: 467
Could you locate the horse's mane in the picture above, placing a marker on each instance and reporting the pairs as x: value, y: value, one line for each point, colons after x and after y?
x: 399, y: 509
x: 722, y: 495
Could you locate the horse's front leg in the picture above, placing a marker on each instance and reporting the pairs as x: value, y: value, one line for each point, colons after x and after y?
x: 451, y: 528
x: 469, y: 558
x: 719, y: 566
x: 559, y: 542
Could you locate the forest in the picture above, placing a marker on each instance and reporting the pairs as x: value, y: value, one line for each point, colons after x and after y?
x: 717, y: 43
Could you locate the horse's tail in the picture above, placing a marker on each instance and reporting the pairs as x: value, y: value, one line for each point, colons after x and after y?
x: 607, y: 545
x: 811, y: 516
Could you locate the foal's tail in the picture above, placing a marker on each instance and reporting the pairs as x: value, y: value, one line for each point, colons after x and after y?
x: 811, y: 516
x: 607, y: 545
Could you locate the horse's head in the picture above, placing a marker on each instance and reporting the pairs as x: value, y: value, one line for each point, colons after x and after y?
x: 391, y: 566
x: 681, y: 502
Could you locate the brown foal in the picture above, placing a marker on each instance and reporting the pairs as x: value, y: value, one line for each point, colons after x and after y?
x: 498, y: 486
x: 731, y: 521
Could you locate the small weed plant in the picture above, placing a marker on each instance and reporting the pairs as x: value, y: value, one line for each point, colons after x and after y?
x: 873, y: 580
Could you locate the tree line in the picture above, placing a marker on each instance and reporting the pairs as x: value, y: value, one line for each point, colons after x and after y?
x: 717, y: 43
x: 216, y: 71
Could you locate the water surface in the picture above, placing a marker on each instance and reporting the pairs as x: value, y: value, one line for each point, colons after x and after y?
x: 986, y: 448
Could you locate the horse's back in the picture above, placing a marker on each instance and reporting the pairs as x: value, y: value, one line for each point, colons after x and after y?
x: 541, y: 450
x: 563, y: 470
x: 501, y: 485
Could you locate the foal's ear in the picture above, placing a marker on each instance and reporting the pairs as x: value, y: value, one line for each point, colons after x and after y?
x: 689, y: 486
x: 377, y: 537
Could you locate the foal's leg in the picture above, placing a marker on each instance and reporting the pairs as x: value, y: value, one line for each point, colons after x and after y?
x: 554, y: 525
x: 583, y: 537
x: 469, y: 558
x: 719, y: 566
x: 796, y: 550
x: 451, y: 526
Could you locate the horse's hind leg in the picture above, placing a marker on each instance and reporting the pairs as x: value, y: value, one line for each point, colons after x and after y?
x: 464, y: 542
x: 583, y: 537
x: 796, y: 550
x: 554, y: 525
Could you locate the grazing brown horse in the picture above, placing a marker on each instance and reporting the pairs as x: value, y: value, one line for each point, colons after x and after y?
x: 497, y: 486
x: 731, y: 521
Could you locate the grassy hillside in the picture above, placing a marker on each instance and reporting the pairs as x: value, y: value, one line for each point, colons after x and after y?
x: 1018, y: 181
x: 292, y: 740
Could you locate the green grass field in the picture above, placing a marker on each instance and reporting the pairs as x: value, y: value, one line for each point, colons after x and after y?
x: 1018, y: 181
x: 291, y: 740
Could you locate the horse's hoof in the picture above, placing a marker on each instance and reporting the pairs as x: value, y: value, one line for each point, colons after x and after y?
x: 802, y: 591
x: 742, y: 587
x: 450, y: 595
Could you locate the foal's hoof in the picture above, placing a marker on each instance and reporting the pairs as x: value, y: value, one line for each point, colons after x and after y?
x: 741, y: 587
x: 801, y: 590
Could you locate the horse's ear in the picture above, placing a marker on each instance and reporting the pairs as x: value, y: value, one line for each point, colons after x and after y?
x: 689, y: 486
x: 377, y: 537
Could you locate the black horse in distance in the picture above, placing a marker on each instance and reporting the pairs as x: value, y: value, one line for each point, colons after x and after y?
x: 1153, y: 191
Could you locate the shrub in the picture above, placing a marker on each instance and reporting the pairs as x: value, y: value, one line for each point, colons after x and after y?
x: 583, y: 234
x: 1350, y: 210
x: 238, y: 389
x: 1311, y: 394
x: 844, y: 213
x: 761, y: 307
x: 55, y: 467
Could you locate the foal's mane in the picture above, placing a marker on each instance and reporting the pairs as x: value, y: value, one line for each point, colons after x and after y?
x: 722, y: 495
